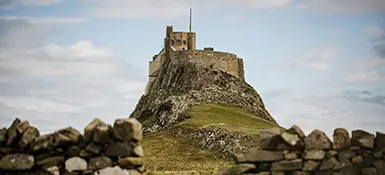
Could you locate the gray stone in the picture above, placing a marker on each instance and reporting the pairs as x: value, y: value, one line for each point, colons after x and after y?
x: 85, y: 153
x: 102, y: 133
x: 342, y: 164
x: 369, y: 171
x: 291, y: 156
x: 380, y: 140
x: 292, y: 139
x: 356, y: 160
x: 367, y: 160
x: 22, y: 127
x: 29, y: 136
x: 112, y: 171
x: 287, y: 165
x: 363, y: 139
x: 317, y: 140
x: 296, y: 130
x: 119, y: 149
x: 3, y: 136
x: 130, y: 162
x: 44, y: 142
x: 314, y: 155
x: 341, y: 139
x: 94, y: 148
x: 67, y: 136
x: 328, y: 163
x: 89, y: 129
x: 255, y: 155
x: 17, y: 162
x: 97, y: 163
x: 75, y: 164
x: 380, y: 166
x: 73, y: 151
x: 377, y: 154
x: 53, y: 170
x: 270, y: 138
x: 138, y: 151
x: 12, y: 132
x: 50, y: 162
x: 331, y: 153
x: 310, y: 165
x: 127, y: 130
x: 346, y: 154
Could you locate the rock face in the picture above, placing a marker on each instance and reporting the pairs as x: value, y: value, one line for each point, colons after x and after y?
x: 181, y: 84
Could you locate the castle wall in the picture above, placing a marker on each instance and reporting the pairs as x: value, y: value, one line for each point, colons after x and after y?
x: 241, y: 70
x: 227, y: 62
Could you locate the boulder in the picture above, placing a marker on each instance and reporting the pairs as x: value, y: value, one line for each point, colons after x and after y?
x: 73, y: 151
x: 3, y: 136
x: 89, y: 129
x: 310, y: 165
x: 255, y: 155
x: 341, y: 139
x: 50, y: 162
x: 138, y: 151
x: 287, y: 165
x: 12, y: 132
x: 75, y: 164
x: 67, y: 136
x: 102, y: 134
x: 17, y: 162
x: 53, y: 170
x: 380, y: 166
x: 342, y: 164
x: 328, y: 164
x: 296, y: 130
x: 97, y: 163
x: 345, y: 155
x: 44, y: 142
x: 94, y: 148
x: 130, y: 162
x: 119, y: 149
x: 317, y: 140
x: 29, y: 136
x: 116, y: 170
x: 270, y: 138
x: 291, y: 156
x: 292, y: 139
x: 314, y: 155
x: 357, y: 160
x: 363, y: 139
x: 380, y: 140
x: 22, y: 127
x: 127, y: 130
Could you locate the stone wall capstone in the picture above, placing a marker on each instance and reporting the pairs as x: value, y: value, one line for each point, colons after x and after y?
x: 102, y: 150
x: 291, y: 152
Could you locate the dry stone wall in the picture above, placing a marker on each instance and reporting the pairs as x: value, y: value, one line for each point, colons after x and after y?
x: 102, y: 150
x: 290, y: 152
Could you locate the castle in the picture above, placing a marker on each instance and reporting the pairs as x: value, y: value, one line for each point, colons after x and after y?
x: 181, y: 46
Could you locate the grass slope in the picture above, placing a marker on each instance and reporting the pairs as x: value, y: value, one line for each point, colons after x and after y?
x: 165, y: 152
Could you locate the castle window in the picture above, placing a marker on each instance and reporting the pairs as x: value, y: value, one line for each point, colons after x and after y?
x: 184, y: 42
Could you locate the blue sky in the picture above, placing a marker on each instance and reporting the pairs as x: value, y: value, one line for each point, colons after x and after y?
x: 316, y: 63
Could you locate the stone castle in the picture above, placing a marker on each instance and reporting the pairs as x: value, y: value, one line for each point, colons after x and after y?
x: 181, y: 47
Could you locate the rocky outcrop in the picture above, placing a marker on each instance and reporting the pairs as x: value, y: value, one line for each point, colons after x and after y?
x: 104, y: 149
x: 181, y: 84
x: 363, y: 153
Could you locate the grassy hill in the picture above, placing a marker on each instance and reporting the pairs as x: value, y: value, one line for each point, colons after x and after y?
x: 173, y: 150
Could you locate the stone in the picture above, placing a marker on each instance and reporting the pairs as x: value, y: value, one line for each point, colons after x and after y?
x: 116, y: 170
x: 86, y: 153
x: 377, y: 154
x: 102, y: 134
x: 73, y: 151
x: 94, y: 148
x: 67, y: 136
x: 241, y: 168
x: 75, y: 164
x: 270, y: 138
x: 12, y: 132
x: 50, y: 162
x: 97, y: 163
x: 362, y: 139
x: 53, y: 170
x: 134, y: 172
x: 292, y: 139
x: 22, y: 127
x: 380, y: 166
x: 317, y: 140
x: 296, y: 130
x: 275, y: 173
x: 331, y: 153
x: 369, y: 171
x: 263, y: 167
x: 17, y: 162
x: 314, y: 155
x: 127, y: 130
x: 44, y: 142
x: 380, y: 140
x: 345, y: 155
x: 367, y: 160
x: 3, y: 136
x: 255, y: 155
x: 341, y: 139
x: 310, y: 165
x: 356, y: 160
x: 138, y: 151
x: 119, y: 149
x: 89, y: 129
x: 291, y: 156
x: 129, y: 162
x: 287, y: 165
x: 300, y: 173
x: 342, y: 164
x: 328, y: 163
x: 28, y: 137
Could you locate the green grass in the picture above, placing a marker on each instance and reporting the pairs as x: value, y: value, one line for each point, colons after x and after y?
x: 224, y: 116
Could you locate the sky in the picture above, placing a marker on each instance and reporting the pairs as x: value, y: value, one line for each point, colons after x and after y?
x: 319, y: 64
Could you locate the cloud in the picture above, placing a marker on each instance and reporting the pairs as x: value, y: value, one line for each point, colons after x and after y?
x: 365, y: 76
x: 317, y: 59
x: 172, y: 9
x: 44, y: 20
x: 365, y: 96
x: 56, y: 86
x: 7, y: 4
x: 342, y: 6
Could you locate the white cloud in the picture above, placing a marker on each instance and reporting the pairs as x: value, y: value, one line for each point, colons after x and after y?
x: 343, y: 5
x: 369, y: 76
x: 40, y: 2
x: 44, y: 20
x: 319, y: 59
